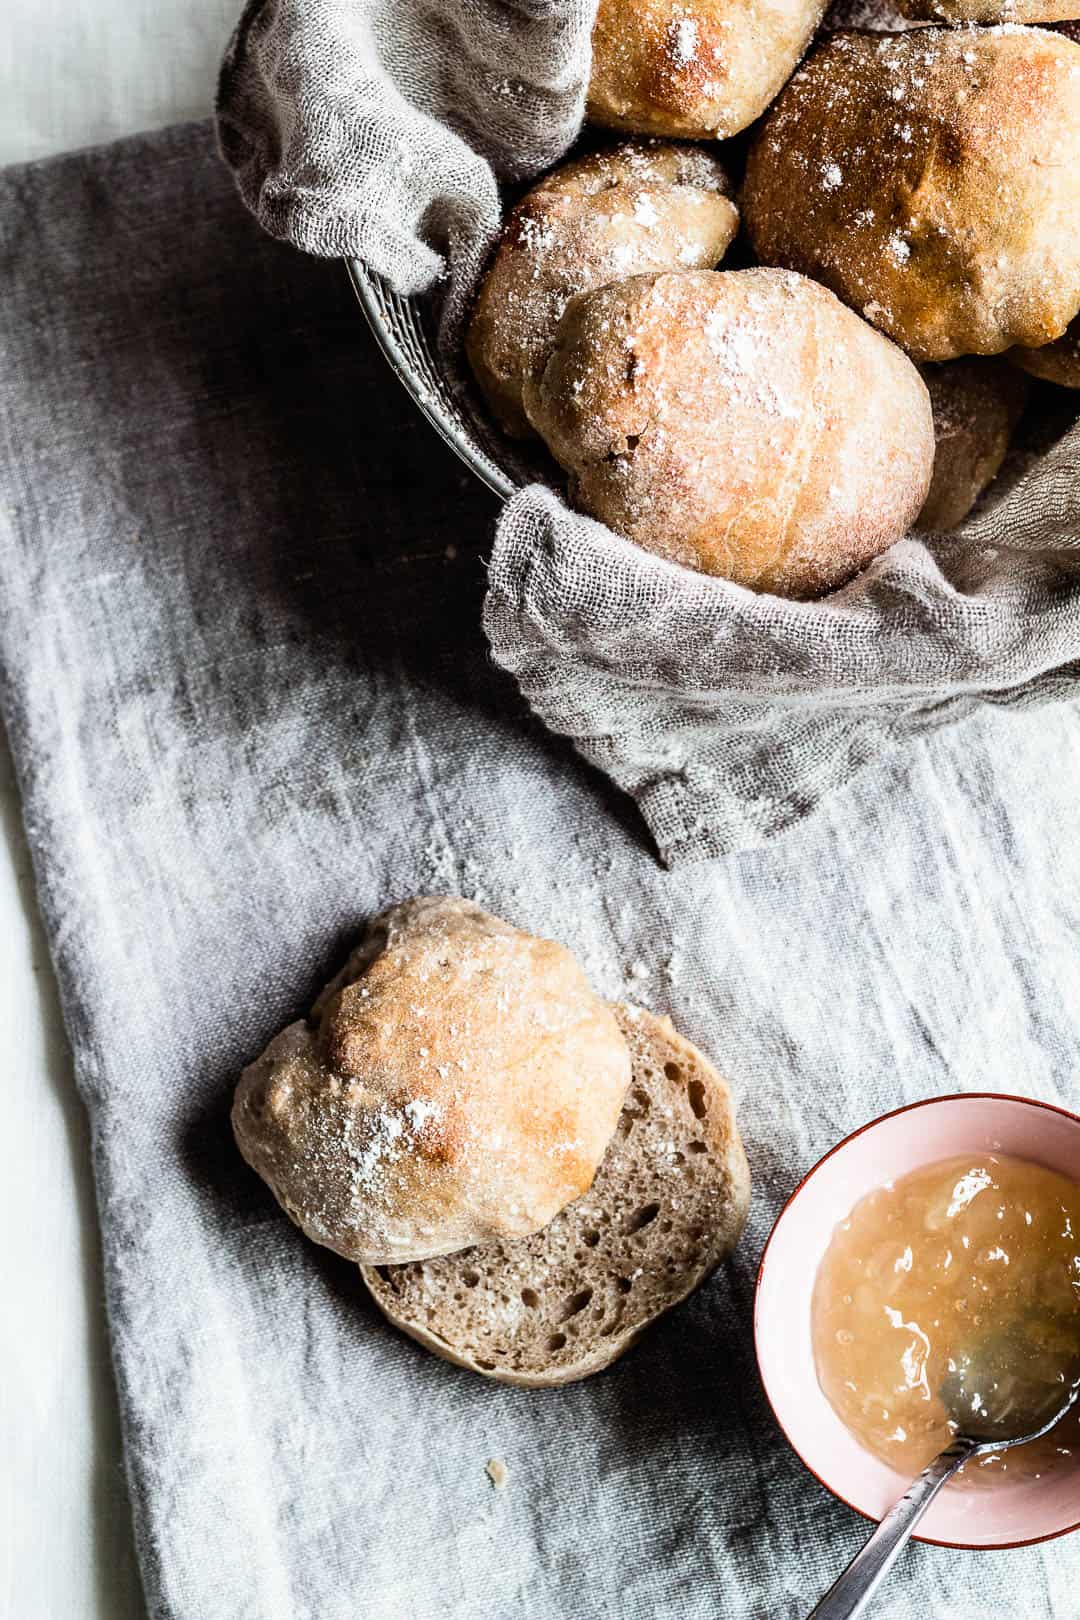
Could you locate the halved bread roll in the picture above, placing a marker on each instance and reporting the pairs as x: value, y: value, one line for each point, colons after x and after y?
x: 668, y: 1202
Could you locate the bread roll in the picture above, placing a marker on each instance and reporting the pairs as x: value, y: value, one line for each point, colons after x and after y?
x: 879, y: 16
x: 1056, y: 362
x: 668, y: 1203
x: 456, y: 1083
x: 693, y: 67
x: 741, y: 422
x: 976, y: 405
x: 932, y: 179
x: 991, y: 11
x: 639, y: 206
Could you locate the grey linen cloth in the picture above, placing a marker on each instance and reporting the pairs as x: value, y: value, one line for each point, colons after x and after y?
x: 250, y: 702
x: 376, y: 128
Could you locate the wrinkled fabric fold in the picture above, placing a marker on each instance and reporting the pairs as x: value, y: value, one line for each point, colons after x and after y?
x: 728, y: 714
x: 251, y: 704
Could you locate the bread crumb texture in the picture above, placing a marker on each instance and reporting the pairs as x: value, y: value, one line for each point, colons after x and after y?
x: 457, y: 1082
x: 667, y: 1204
x: 498, y: 1473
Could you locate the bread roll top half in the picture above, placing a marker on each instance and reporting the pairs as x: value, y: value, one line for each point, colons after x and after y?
x: 458, y: 1081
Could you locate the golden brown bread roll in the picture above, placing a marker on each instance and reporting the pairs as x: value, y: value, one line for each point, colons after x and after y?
x: 458, y: 1082
x: 976, y: 404
x: 932, y: 179
x: 693, y: 67
x: 741, y: 422
x: 880, y: 16
x: 643, y: 205
x: 991, y: 11
x: 1056, y: 362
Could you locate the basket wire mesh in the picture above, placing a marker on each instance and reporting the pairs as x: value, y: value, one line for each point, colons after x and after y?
x: 403, y: 328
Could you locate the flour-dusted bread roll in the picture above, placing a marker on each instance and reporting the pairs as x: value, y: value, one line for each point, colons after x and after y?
x: 741, y: 422
x: 458, y: 1082
x: 880, y: 16
x: 1057, y: 362
x: 991, y: 11
x: 976, y: 404
x: 697, y: 68
x: 932, y: 179
x: 640, y: 206
x: 668, y: 1203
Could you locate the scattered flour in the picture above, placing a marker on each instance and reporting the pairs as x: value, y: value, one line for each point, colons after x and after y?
x: 535, y: 235
x: 644, y: 212
x: 683, y: 41
x: 420, y: 1111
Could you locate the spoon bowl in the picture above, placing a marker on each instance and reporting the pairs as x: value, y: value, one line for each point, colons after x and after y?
x: 1010, y: 1387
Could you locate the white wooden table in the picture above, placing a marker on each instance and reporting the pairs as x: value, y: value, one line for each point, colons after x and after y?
x: 72, y: 73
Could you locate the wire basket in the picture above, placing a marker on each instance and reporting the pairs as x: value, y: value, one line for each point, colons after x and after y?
x: 404, y: 329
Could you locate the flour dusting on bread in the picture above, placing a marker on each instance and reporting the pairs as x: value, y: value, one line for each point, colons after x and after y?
x: 743, y: 423
x: 696, y: 68
x: 930, y: 178
x: 599, y: 218
x: 459, y: 1080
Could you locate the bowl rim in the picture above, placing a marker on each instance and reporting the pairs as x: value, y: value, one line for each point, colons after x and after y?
x: 870, y: 1124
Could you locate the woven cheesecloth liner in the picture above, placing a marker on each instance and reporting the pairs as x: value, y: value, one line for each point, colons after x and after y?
x: 380, y: 131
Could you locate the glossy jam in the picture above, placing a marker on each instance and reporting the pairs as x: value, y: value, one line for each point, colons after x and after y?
x: 927, y: 1266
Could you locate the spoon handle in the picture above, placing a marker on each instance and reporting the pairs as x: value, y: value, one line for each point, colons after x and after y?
x: 851, y: 1593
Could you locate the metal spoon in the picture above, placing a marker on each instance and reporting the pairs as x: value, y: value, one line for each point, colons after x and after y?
x: 999, y: 1394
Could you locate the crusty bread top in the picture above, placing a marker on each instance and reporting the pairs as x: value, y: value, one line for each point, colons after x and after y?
x: 668, y: 1202
x: 1012, y: 12
x: 932, y: 180
x: 458, y: 1081
x: 742, y: 422
x: 698, y: 68
x: 641, y: 205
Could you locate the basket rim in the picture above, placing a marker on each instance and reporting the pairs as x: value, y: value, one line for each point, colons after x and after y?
x: 373, y: 293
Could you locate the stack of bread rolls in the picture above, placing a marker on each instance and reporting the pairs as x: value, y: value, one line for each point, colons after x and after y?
x: 908, y: 248
x: 526, y: 1175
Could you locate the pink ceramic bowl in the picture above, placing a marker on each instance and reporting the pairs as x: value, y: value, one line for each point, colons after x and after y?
x: 1007, y: 1515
